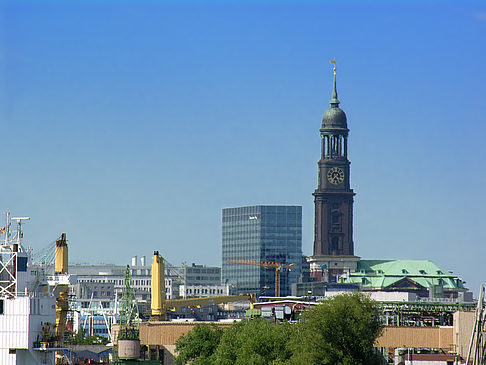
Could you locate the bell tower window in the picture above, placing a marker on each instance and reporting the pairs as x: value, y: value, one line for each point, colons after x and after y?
x: 334, y: 146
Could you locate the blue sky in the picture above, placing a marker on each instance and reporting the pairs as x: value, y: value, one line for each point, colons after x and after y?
x: 129, y: 125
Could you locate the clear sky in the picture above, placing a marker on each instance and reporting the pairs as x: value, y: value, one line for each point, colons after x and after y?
x: 129, y: 125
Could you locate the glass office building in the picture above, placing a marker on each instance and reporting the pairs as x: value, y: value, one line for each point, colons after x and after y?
x: 262, y: 233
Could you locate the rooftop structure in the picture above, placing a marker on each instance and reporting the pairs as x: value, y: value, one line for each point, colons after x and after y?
x: 422, y: 277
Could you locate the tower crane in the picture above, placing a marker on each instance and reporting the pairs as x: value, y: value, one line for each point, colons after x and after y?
x: 267, y: 265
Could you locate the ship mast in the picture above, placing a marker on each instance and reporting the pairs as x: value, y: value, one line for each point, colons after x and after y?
x: 10, y: 259
x: 19, y: 230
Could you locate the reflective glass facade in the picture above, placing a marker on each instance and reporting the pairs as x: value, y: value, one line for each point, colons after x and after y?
x: 262, y: 233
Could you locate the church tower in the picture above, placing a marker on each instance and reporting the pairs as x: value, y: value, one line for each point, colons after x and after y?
x: 333, y: 198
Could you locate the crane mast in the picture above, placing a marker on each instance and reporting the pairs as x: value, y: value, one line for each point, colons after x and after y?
x: 267, y: 265
x: 62, y: 305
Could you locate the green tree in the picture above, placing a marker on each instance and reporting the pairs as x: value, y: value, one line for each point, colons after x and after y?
x: 340, y: 331
x: 198, y: 345
x: 80, y: 338
x: 254, y: 342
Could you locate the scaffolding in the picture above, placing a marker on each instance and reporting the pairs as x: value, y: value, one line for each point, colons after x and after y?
x: 421, y: 314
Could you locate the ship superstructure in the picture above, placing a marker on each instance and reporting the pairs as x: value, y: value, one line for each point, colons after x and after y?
x: 27, y: 302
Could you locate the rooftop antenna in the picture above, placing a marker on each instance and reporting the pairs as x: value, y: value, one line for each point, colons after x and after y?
x: 19, y: 227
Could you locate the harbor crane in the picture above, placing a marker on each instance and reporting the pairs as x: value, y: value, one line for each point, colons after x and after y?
x: 160, y: 305
x: 267, y: 265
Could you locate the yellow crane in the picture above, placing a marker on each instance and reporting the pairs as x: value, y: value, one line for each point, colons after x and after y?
x: 160, y: 305
x: 62, y: 305
x: 267, y: 265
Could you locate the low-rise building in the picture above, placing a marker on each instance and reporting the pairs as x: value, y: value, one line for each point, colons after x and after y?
x: 203, y: 291
x: 197, y: 274
x: 100, y: 286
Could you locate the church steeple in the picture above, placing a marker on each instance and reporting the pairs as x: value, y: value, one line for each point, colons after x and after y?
x: 334, y: 119
x: 333, y: 198
x: 334, y: 101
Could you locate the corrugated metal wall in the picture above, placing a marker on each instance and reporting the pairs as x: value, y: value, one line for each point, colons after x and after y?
x: 6, y: 358
x: 14, y: 324
x: 417, y: 337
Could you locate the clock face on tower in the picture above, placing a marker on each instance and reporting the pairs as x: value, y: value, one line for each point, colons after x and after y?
x: 335, y: 175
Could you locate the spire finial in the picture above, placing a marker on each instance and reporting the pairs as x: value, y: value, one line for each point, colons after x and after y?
x: 334, y: 99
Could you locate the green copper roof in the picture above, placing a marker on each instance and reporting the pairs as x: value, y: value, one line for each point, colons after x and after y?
x: 380, y: 274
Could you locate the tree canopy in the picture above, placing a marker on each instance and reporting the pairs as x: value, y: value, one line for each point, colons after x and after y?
x: 340, y: 331
x: 255, y: 342
x: 198, y: 345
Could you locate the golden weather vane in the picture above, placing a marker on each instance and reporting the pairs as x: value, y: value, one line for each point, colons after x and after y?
x: 333, y: 61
